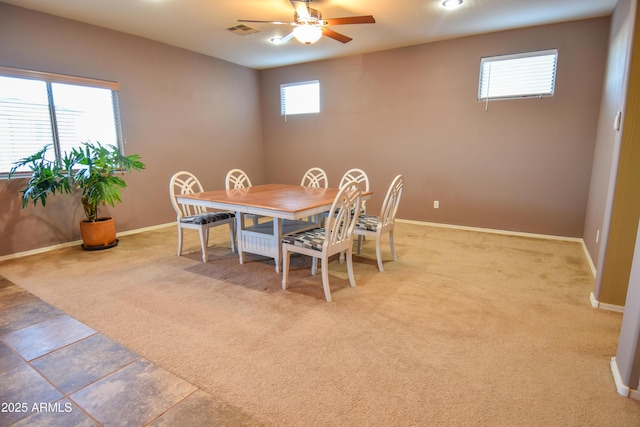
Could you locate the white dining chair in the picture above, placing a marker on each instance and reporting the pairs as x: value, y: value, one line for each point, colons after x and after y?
x: 237, y: 178
x: 315, y: 177
x: 197, y: 217
x: 322, y: 242
x: 377, y: 226
x: 359, y: 176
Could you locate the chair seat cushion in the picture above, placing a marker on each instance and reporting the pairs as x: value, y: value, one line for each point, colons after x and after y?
x: 312, y: 239
x: 207, y: 218
x: 367, y: 222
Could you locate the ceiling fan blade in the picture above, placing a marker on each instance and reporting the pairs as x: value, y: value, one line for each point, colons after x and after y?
x: 368, y: 19
x: 336, y: 36
x: 301, y: 9
x: 287, y: 38
x: 265, y: 22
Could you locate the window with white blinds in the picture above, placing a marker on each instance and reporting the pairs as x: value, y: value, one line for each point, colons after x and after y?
x: 522, y: 75
x: 300, y: 98
x: 38, y: 109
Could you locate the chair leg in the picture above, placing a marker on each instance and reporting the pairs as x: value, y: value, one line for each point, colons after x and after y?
x: 286, y: 255
x: 204, y: 237
x: 352, y: 280
x: 180, y: 232
x: 232, y: 235
x: 314, y: 266
x: 360, y: 243
x: 393, y: 248
x: 379, y: 253
x: 325, y: 278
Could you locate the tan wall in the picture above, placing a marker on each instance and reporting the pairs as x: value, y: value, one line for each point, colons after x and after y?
x: 180, y: 110
x: 608, y: 139
x: 523, y: 165
x: 602, y: 189
x: 626, y: 202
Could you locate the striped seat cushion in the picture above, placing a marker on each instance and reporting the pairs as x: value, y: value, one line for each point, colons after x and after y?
x: 312, y: 239
x: 207, y: 218
x: 368, y: 222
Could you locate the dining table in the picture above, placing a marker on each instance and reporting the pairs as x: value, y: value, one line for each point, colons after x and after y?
x: 287, y: 208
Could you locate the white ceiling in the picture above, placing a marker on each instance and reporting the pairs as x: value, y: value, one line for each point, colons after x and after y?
x: 201, y: 25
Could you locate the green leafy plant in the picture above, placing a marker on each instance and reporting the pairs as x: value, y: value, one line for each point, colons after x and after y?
x: 92, y: 168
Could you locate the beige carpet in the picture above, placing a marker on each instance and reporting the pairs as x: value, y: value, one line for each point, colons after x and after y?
x: 466, y: 328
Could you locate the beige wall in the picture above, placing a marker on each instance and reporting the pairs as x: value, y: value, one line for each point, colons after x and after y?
x: 602, y: 189
x: 523, y: 165
x: 625, y: 211
x: 180, y: 110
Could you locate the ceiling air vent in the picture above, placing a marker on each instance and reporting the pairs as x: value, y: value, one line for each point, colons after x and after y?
x: 243, y: 30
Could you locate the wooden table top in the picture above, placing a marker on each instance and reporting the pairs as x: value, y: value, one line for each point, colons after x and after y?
x: 280, y: 197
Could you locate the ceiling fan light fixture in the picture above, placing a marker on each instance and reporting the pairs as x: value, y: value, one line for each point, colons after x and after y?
x: 452, y: 4
x: 307, y: 34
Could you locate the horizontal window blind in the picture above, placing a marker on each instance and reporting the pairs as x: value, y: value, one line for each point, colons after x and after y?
x: 530, y: 74
x: 25, y: 120
x: 38, y: 109
x: 300, y: 98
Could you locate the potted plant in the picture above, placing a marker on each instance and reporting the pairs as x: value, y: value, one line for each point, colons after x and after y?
x: 92, y: 169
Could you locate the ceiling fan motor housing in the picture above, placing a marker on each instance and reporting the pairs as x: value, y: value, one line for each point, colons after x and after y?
x: 315, y: 17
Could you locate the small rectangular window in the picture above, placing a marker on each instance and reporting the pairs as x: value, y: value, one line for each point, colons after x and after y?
x: 38, y: 109
x: 300, y: 98
x: 522, y: 75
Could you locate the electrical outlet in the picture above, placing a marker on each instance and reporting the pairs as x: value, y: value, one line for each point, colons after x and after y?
x: 436, y: 204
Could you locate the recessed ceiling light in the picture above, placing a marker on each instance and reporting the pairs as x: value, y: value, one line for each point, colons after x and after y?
x: 276, y: 40
x: 452, y: 4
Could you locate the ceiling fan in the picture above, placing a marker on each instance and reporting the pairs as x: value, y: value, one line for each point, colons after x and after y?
x: 309, y: 25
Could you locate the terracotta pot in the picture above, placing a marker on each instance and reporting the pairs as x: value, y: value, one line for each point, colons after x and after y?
x: 100, y: 234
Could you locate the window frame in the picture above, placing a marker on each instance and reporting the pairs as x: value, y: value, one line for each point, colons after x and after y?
x: 283, y: 93
x: 53, y: 78
x: 516, y: 56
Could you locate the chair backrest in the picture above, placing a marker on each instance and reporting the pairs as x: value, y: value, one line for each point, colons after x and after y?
x: 184, y: 182
x: 357, y: 175
x: 339, y: 227
x: 236, y: 178
x: 391, y: 201
x: 315, y: 177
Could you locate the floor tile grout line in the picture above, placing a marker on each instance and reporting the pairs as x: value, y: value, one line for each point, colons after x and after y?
x: 63, y: 347
x: 68, y: 395
x: 63, y: 394
x: 45, y: 378
x: 151, y: 421
x: 39, y: 322
x: 107, y: 375
x: 41, y: 375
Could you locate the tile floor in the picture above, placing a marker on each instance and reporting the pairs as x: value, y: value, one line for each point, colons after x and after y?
x: 56, y: 371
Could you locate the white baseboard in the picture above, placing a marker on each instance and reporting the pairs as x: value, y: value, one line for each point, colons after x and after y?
x: 150, y: 228
x: 589, y: 260
x: 594, y: 302
x: 79, y: 242
x: 623, y: 390
x: 611, y: 307
x: 493, y: 230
